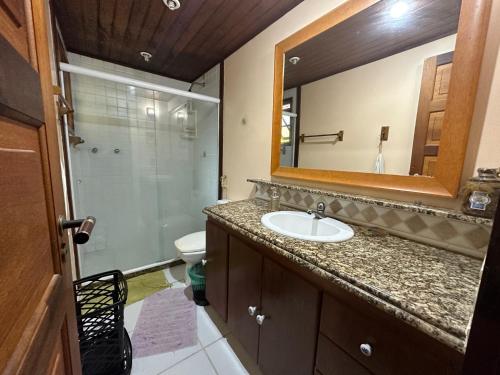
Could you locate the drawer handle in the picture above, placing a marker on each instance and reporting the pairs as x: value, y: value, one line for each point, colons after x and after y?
x: 260, y: 319
x: 366, y: 349
x: 252, y: 310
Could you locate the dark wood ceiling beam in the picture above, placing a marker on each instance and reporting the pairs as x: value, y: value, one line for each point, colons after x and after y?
x: 269, y: 11
x: 184, y: 43
x: 106, y: 14
x: 91, y: 20
x: 192, y: 32
x: 68, y: 17
x: 246, y: 14
x: 122, y: 17
x: 185, y: 15
x: 134, y: 27
x: 150, y: 26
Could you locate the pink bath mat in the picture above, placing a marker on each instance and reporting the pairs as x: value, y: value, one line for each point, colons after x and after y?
x: 166, y: 323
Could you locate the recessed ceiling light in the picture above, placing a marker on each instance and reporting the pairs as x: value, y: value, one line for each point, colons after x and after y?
x: 146, y: 56
x: 172, y: 4
x: 399, y: 9
x: 294, y: 60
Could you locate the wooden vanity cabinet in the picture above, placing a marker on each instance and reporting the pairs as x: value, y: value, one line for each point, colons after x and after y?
x: 390, y: 346
x: 308, y: 324
x: 289, y: 331
x: 285, y: 341
x: 217, y: 241
x: 244, y: 294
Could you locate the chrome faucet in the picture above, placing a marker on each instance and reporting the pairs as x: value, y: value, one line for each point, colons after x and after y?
x: 319, y: 213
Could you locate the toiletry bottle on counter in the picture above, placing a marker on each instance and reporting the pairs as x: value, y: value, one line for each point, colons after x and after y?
x: 275, y: 199
x: 481, y: 193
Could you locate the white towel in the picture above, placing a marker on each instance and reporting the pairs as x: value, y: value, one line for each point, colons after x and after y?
x: 379, y: 164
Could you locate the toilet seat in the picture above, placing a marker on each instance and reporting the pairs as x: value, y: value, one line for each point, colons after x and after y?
x: 191, y: 243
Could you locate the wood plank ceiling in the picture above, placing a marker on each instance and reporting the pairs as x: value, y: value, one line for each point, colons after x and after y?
x: 185, y: 43
x: 371, y: 35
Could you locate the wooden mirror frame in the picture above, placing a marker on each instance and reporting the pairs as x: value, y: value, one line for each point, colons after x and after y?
x: 469, y: 48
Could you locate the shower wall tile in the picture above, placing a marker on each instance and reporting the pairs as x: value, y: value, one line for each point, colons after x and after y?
x: 463, y: 236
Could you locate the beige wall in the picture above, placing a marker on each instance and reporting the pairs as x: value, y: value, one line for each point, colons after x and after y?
x: 248, y: 91
x: 360, y: 101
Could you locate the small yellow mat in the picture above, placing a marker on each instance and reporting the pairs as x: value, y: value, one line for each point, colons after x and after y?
x: 140, y: 287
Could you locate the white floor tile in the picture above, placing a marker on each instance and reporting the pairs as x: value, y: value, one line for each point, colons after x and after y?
x: 208, y: 332
x: 131, y: 314
x: 178, y: 284
x: 223, y: 358
x: 157, y: 363
x: 175, y: 274
x: 196, y: 364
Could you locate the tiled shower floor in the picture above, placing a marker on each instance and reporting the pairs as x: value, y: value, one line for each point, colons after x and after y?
x: 211, y: 355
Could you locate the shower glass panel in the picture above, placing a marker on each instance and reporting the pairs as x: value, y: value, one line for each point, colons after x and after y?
x: 147, y: 167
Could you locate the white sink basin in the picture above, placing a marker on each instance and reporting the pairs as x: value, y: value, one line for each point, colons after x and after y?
x: 304, y: 226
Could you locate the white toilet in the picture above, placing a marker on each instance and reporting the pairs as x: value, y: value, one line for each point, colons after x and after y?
x: 191, y: 249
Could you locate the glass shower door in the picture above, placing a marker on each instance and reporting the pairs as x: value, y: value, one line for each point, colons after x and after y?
x: 114, y: 174
x: 187, y: 162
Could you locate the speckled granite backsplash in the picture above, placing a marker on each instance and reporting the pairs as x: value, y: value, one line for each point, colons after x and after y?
x: 451, y: 230
x: 429, y: 288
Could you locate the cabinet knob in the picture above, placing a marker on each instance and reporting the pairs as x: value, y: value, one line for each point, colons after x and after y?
x: 204, y: 262
x: 260, y: 319
x: 366, y: 349
x: 252, y: 310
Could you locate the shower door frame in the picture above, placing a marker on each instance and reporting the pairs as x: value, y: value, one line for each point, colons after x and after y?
x: 75, y: 69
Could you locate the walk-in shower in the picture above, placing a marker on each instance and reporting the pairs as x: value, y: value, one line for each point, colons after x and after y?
x: 144, y: 162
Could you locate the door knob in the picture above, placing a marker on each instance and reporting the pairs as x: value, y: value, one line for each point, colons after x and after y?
x: 260, y: 319
x: 252, y: 310
x: 85, y: 228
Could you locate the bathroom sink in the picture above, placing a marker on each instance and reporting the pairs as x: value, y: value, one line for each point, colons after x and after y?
x: 304, y: 226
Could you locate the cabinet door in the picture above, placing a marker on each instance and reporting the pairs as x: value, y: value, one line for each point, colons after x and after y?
x: 244, y: 287
x: 289, y: 331
x: 216, y: 268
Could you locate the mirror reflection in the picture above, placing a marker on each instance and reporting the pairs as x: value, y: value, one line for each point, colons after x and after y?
x: 369, y: 94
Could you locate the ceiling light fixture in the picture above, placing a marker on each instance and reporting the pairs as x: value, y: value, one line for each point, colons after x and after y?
x: 399, y: 9
x: 294, y: 60
x: 146, y: 56
x: 172, y: 4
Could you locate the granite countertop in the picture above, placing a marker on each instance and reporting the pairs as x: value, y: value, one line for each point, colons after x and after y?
x: 431, y: 289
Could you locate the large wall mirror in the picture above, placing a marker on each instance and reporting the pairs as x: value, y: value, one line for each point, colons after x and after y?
x: 380, y: 94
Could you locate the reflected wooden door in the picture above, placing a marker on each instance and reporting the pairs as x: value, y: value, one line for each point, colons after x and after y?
x: 431, y: 106
x: 38, y: 324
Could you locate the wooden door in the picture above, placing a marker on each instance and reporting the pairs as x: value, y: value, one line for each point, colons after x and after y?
x: 244, y: 288
x: 38, y: 325
x: 288, y: 335
x: 216, y: 268
x: 430, y: 114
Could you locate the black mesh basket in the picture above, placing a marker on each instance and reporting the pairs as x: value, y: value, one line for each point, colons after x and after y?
x: 105, y: 346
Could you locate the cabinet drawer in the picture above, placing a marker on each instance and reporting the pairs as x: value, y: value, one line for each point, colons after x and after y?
x: 332, y: 360
x: 393, y: 351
